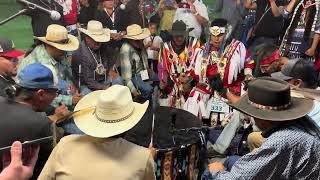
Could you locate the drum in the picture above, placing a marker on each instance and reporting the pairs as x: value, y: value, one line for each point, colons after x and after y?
x: 179, y: 142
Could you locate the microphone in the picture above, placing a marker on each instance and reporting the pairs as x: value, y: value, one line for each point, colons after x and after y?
x: 54, y: 15
x: 122, y: 6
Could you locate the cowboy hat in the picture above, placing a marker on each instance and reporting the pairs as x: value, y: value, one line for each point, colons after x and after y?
x: 106, y: 113
x: 135, y: 32
x: 96, y: 31
x: 58, y: 37
x: 269, y: 99
x: 179, y: 28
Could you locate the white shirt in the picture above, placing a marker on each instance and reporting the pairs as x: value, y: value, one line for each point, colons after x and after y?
x: 190, y: 19
x: 156, y: 42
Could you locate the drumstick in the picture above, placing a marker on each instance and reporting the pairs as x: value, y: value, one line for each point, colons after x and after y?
x: 79, y: 82
x: 152, y: 129
x: 71, y: 114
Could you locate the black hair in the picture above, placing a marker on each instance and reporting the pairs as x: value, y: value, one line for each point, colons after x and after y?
x: 155, y: 19
x: 14, y: 91
x: 305, y: 71
x: 261, y: 52
x: 219, y: 22
x: 33, y: 46
x: 305, y: 124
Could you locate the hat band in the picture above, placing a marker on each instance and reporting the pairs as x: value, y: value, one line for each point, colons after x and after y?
x: 62, y: 41
x: 114, y: 120
x: 263, y: 107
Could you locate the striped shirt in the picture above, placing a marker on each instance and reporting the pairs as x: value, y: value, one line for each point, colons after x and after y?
x: 132, y: 64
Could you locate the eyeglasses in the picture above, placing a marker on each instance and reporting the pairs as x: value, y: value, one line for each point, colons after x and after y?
x: 56, y: 91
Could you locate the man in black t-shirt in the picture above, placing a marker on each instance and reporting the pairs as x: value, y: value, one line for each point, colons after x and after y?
x: 270, y: 16
x: 20, y: 117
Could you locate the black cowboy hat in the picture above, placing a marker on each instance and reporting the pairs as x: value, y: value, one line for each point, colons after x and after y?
x: 269, y: 99
x: 179, y: 28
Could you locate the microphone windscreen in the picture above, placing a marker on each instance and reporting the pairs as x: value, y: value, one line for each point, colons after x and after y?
x: 55, y: 15
x: 122, y: 6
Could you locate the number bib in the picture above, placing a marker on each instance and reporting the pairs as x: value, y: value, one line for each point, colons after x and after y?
x: 219, y: 106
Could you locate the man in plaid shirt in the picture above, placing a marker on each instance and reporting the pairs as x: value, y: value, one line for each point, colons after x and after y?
x: 134, y: 62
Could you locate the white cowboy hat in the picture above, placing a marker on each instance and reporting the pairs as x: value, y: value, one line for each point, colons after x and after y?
x: 135, y: 32
x: 58, y: 37
x: 96, y: 31
x: 106, y: 113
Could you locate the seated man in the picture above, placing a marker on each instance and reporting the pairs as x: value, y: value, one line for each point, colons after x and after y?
x: 90, y: 66
x: 303, y: 85
x: 35, y: 90
x: 8, y: 63
x: 52, y: 51
x: 105, y: 116
x: 134, y: 62
x: 291, y: 150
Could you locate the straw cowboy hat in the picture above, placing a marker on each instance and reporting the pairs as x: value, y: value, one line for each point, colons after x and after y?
x: 58, y: 37
x: 135, y: 32
x: 269, y: 99
x: 106, y: 113
x: 96, y: 31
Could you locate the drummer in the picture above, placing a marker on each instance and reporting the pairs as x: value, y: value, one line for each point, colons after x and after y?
x: 105, y: 117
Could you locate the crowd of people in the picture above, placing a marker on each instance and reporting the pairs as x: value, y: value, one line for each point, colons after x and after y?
x: 91, y: 76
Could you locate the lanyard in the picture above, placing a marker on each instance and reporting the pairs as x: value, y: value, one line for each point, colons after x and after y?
x: 112, y: 15
x: 152, y: 38
x: 93, y: 56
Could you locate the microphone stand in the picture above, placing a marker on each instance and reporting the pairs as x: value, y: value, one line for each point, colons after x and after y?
x: 21, y: 12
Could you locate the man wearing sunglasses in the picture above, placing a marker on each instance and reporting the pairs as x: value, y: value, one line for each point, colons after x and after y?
x: 21, y: 117
x: 8, y: 63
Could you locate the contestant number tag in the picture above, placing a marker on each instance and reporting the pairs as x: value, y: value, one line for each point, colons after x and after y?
x: 219, y: 107
x: 144, y: 75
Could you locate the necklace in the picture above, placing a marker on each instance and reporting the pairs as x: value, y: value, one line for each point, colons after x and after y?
x: 100, y: 68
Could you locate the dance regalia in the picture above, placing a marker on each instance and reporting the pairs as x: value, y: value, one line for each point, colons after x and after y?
x: 299, y: 34
x: 175, y: 65
x: 232, y: 63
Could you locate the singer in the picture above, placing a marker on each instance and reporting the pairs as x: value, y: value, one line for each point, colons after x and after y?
x: 40, y: 20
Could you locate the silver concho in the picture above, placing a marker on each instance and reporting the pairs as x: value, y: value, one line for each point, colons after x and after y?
x: 100, y: 69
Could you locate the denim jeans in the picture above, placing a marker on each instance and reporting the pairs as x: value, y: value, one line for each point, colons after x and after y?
x: 70, y: 127
x: 85, y: 90
x: 228, y: 133
x: 145, y: 89
x: 228, y: 163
